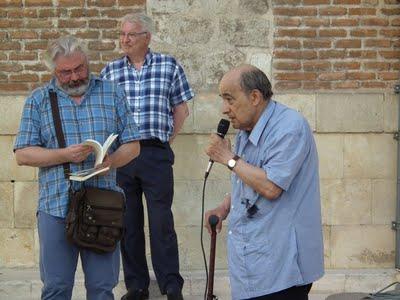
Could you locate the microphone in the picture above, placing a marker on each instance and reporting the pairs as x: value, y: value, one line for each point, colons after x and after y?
x: 222, y: 129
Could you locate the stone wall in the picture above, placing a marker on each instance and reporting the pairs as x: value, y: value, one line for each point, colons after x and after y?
x: 335, y: 61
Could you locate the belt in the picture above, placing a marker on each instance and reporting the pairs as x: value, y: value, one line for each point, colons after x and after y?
x: 152, y: 143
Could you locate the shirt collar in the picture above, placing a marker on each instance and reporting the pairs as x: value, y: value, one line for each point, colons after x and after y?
x: 262, y: 123
x: 147, y: 59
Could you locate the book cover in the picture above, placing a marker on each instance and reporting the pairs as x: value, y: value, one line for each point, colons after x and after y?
x: 100, y: 151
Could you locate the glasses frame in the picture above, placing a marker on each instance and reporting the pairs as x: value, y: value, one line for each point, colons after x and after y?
x: 67, y: 74
x: 132, y: 35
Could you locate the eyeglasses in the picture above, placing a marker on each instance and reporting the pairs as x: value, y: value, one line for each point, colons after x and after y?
x: 131, y: 35
x: 66, y: 74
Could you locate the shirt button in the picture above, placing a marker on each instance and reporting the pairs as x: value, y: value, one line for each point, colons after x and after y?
x: 230, y: 232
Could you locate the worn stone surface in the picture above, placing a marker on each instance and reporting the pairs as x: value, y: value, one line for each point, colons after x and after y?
x: 167, y: 7
x: 327, y: 250
x: 367, y: 246
x: 261, y: 60
x: 391, y: 112
x: 16, y: 248
x: 10, y: 112
x: 349, y: 112
x: 383, y: 201
x: 330, y: 153
x: 245, y: 32
x: 332, y: 190
x: 370, y: 156
x: 207, y: 112
x: 25, y: 204
x: 6, y: 205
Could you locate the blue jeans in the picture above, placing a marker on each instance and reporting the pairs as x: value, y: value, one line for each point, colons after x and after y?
x: 58, y: 261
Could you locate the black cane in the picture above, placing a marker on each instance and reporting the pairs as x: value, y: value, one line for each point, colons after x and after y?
x: 213, y: 221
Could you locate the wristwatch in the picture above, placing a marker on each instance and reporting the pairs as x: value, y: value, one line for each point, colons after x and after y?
x: 232, y: 162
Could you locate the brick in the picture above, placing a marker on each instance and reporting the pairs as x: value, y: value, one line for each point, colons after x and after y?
x: 362, y: 11
x: 308, y: 54
x: 363, y: 54
x: 363, y: 32
x: 316, y: 2
x: 70, y: 3
x: 10, y: 45
x: 296, y: 76
x: 50, y: 35
x: 396, y: 44
x: 3, y: 77
x: 375, y: 22
x: 293, y: 44
x: 332, y: 33
x: 287, y: 65
x: 395, y: 22
x: 360, y: 76
x: 39, y: 45
x: 11, y: 3
x: 316, y: 65
x: 308, y: 33
x: 101, y: 46
x: 23, y: 56
x: 333, y: 11
x: 22, y: 13
x: 390, y: 54
x: 41, y: 24
x: 131, y: 2
x: 317, y: 43
x: 390, y: 11
x: 110, y: 56
x: 316, y: 22
x: 346, y: 85
x: 45, y: 77
x: 51, y: 12
x: 392, y: 2
x: 316, y: 85
x: 3, y: 35
x: 13, y: 87
x: 24, y: 78
x: 71, y: 24
x: 93, y: 56
x: 16, y: 35
x: 103, y: 23
x: 38, y: 2
x: 36, y: 67
x: 348, y: 43
x: 102, y: 3
x: 346, y: 65
x: 376, y: 65
x: 110, y: 34
x: 377, y: 43
x: 332, y: 76
x: 287, y: 85
x: 344, y: 22
x: 349, y: 2
x: 300, y: 11
x: 87, y: 34
x: 373, y: 84
x: 395, y: 66
x: 324, y: 54
x: 3, y: 56
x: 388, y: 75
x: 291, y: 22
x: 11, y: 23
x: 392, y: 33
x: 115, y: 13
x: 84, y: 13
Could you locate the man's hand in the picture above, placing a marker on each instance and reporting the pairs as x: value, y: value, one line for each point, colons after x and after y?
x: 220, y: 213
x: 219, y: 149
x: 106, y: 163
x: 77, y: 153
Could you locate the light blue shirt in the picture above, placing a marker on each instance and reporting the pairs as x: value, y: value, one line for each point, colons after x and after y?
x: 276, y: 244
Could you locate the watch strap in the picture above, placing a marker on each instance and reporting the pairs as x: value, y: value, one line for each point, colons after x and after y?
x: 236, y: 158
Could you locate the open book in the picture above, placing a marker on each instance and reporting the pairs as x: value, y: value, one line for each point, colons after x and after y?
x: 100, y: 152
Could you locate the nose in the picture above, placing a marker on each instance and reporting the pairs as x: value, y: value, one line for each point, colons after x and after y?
x: 74, y: 76
x: 124, y: 38
x: 225, y: 107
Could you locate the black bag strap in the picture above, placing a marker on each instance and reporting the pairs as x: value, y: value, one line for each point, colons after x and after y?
x: 57, y: 125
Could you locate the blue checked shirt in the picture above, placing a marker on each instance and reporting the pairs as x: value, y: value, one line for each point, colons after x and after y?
x: 103, y: 111
x: 152, y: 92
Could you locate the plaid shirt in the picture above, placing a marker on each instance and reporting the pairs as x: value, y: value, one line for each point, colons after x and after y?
x: 103, y: 111
x: 152, y: 92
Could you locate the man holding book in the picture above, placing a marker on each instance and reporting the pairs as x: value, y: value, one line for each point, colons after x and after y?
x: 89, y: 108
x: 157, y: 91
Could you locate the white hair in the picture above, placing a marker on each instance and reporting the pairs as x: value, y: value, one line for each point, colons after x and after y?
x: 144, y: 20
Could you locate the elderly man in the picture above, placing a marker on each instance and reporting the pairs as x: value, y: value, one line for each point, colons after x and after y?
x: 89, y: 107
x: 275, y: 248
x: 157, y: 91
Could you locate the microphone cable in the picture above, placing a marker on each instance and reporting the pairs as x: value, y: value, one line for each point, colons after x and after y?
x: 201, y: 233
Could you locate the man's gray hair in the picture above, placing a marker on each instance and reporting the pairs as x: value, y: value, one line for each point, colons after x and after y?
x: 65, y: 46
x: 144, y: 20
x: 253, y: 78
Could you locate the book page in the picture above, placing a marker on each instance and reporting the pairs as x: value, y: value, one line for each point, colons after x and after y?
x: 108, y: 143
x: 98, y: 150
x: 86, y: 174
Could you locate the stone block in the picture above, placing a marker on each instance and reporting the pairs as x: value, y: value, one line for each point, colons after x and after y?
x: 305, y: 104
x: 327, y: 250
x: 16, y: 248
x: 207, y: 113
x: 370, y: 156
x: 331, y: 282
x: 191, y: 160
x: 331, y: 191
x: 187, y: 199
x: 263, y: 61
x: 15, y: 289
x: 368, y: 246
x: 9, y: 169
x: 188, y: 125
x: 221, y: 284
x: 330, y: 152
x: 391, y: 112
x: 258, y: 7
x: 349, y: 112
x: 383, y: 201
x: 25, y: 203
x: 245, y: 32
x: 166, y: 7
x: 369, y: 282
x: 36, y: 246
x: 6, y: 205
x: 10, y: 110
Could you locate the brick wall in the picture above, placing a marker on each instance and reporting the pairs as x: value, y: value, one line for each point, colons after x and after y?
x: 26, y: 26
x: 336, y: 44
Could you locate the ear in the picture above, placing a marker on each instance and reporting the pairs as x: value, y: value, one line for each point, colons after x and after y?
x: 256, y: 97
